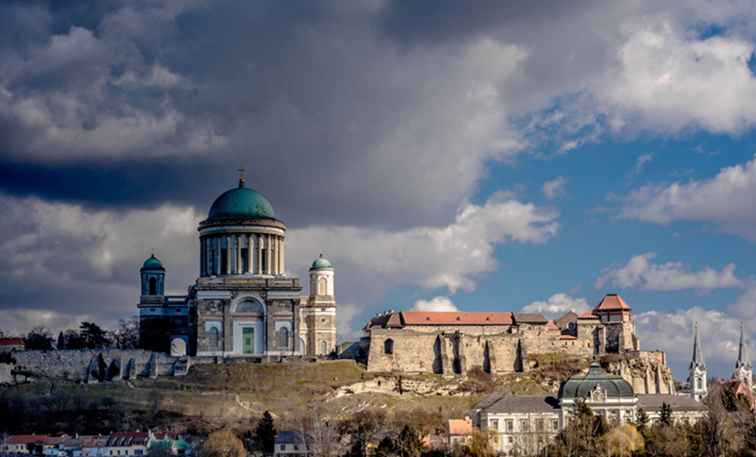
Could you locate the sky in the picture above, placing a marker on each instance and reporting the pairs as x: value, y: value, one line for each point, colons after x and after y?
x: 478, y: 155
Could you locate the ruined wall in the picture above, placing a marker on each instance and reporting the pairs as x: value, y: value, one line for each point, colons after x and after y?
x: 457, y: 353
x: 646, y: 371
x: 92, y: 365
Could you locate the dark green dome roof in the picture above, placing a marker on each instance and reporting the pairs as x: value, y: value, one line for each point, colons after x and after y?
x: 581, y: 386
x: 152, y: 263
x: 241, y: 202
x: 321, y: 263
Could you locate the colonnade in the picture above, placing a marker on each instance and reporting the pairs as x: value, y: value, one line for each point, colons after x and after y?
x: 244, y: 253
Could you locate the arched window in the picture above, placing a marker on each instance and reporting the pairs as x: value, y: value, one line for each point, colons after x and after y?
x: 388, y: 346
x: 283, y: 338
x: 213, y: 339
x: 324, y: 348
x: 322, y: 286
x: 153, y: 286
x: 250, y: 305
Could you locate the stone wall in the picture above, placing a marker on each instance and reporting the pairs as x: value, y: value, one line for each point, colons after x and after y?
x: 92, y: 365
x: 457, y: 353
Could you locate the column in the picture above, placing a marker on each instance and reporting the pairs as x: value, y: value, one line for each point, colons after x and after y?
x: 274, y: 255
x: 267, y: 257
x: 258, y: 253
x: 238, y: 256
x: 208, y: 253
x: 250, y: 244
x: 229, y: 253
x: 217, y: 247
x: 283, y: 265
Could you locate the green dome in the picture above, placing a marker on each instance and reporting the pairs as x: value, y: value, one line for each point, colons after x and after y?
x: 321, y: 263
x: 581, y: 386
x: 241, y: 202
x: 152, y: 263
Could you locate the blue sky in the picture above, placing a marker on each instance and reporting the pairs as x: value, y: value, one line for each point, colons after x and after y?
x: 511, y: 155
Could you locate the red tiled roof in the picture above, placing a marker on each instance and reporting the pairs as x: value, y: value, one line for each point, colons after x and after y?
x: 456, y: 318
x: 460, y: 427
x: 587, y: 315
x: 550, y: 325
x: 565, y: 320
x: 612, y: 302
x: 11, y: 341
x: 26, y: 439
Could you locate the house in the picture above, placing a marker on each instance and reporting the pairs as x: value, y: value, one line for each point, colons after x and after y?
x: 93, y: 446
x: 291, y: 443
x: 460, y: 432
x: 126, y: 444
x: 12, y: 344
x: 22, y: 444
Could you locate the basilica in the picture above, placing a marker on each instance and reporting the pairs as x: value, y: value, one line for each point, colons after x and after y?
x: 244, y: 303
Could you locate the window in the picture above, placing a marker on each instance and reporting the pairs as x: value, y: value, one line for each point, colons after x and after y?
x: 250, y: 305
x: 322, y: 286
x: 224, y: 256
x: 388, y: 346
x: 212, y: 331
x: 509, y: 425
x: 283, y: 338
x: 264, y: 260
x: 554, y: 424
x: 494, y: 424
x: 524, y: 425
x: 539, y: 425
x: 324, y: 347
x: 153, y: 286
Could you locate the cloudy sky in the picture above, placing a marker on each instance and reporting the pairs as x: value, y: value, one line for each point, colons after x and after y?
x: 475, y: 155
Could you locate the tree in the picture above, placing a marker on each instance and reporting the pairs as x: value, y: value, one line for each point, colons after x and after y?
x: 361, y: 429
x: 624, y: 440
x: 408, y: 443
x: 665, y: 415
x: 222, y: 444
x: 641, y: 421
x: 38, y: 339
x: 93, y: 335
x: 480, y: 445
x: 126, y: 336
x: 265, y: 434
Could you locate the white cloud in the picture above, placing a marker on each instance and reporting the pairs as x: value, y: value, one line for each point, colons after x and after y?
x: 668, y: 80
x: 641, y: 273
x: 347, y: 326
x: 557, y: 305
x: 435, y: 304
x: 431, y: 257
x: 725, y: 200
x: 672, y: 332
x: 554, y: 187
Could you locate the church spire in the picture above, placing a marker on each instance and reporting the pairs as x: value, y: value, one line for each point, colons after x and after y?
x: 697, y: 360
x: 743, y: 369
x: 744, y: 355
x: 697, y: 374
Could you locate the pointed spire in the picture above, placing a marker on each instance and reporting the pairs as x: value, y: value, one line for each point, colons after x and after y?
x: 744, y: 356
x: 697, y: 359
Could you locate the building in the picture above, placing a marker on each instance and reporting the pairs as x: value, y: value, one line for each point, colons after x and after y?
x: 290, y: 443
x: 743, y: 367
x: 497, y: 342
x: 126, y: 444
x: 697, y: 374
x: 525, y: 424
x: 460, y: 432
x: 22, y: 444
x: 13, y: 344
x: 243, y: 303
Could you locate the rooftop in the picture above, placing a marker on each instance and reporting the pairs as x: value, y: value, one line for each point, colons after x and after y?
x: 456, y: 318
x: 612, y: 302
x: 521, y: 403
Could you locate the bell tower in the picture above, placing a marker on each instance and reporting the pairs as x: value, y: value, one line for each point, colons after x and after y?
x: 743, y: 368
x: 153, y: 277
x: 697, y: 371
x: 319, y: 313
